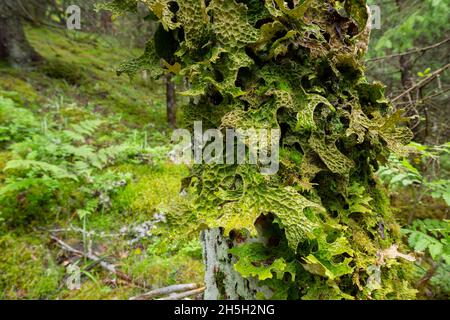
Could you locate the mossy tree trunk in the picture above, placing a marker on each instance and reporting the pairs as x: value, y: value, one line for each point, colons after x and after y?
x: 321, y: 226
x: 14, y: 46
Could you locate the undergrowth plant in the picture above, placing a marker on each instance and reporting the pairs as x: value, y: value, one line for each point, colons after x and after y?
x: 325, y: 224
x: 426, y: 175
x: 63, y: 163
x: 430, y: 238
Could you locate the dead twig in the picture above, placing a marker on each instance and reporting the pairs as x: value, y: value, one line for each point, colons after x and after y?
x: 423, y: 82
x: 179, y: 296
x: 416, y: 50
x: 91, y: 256
x: 166, y: 291
x: 87, y: 233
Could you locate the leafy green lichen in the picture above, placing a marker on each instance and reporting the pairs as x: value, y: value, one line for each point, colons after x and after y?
x: 294, y: 66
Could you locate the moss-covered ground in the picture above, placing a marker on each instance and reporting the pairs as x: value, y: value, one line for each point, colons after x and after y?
x: 78, y: 78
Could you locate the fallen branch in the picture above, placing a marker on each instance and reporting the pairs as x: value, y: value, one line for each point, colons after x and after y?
x: 105, y: 265
x: 427, y: 277
x: 165, y: 291
x: 179, y: 296
x: 87, y: 233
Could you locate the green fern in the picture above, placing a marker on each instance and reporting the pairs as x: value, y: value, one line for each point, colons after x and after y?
x: 37, y: 167
x: 431, y: 236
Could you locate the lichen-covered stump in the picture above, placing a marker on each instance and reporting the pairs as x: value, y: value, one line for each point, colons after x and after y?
x: 321, y: 227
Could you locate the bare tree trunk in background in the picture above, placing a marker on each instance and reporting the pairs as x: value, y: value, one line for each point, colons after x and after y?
x: 106, y: 22
x: 170, y: 100
x: 406, y: 74
x: 406, y: 63
x: 14, y: 46
x: 34, y: 11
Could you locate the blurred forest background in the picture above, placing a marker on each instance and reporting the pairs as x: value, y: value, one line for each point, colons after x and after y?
x: 87, y: 191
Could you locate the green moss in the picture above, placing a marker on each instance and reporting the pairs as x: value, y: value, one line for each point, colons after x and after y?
x: 152, y: 189
x: 84, y: 71
x: 97, y: 291
x: 158, y: 271
x: 77, y: 81
x: 220, y: 281
x: 28, y: 269
x: 4, y: 158
x: 19, y: 90
x: 59, y: 69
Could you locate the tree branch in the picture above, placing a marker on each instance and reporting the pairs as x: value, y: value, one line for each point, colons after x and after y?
x: 422, y: 82
x: 105, y: 265
x: 412, y: 51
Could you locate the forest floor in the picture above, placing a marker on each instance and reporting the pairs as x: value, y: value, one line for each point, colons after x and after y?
x: 75, y: 101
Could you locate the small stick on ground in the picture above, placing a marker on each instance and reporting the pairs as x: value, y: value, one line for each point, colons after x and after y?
x: 165, y: 291
x: 179, y: 296
x: 105, y: 265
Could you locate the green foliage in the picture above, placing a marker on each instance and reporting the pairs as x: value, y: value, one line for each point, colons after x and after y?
x: 432, y: 236
x: 64, y: 167
x: 160, y: 271
x: 412, y: 44
x: 99, y: 89
x: 111, y: 136
x: 408, y: 21
x: 400, y: 173
x: 16, y: 123
x: 416, y: 178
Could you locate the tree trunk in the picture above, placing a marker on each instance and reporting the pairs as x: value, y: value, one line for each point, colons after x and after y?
x: 14, y: 46
x: 170, y: 100
x: 34, y: 11
x: 106, y: 22
x: 406, y: 64
x: 222, y: 281
x: 300, y: 232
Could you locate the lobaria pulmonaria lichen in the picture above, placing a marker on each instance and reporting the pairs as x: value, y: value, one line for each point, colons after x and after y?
x: 293, y: 65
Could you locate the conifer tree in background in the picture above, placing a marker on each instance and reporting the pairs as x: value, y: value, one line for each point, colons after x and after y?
x: 322, y: 227
x: 14, y: 46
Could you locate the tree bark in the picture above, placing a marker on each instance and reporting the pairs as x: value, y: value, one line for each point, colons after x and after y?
x: 14, y: 46
x: 222, y: 281
x: 170, y: 100
x: 106, y: 22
